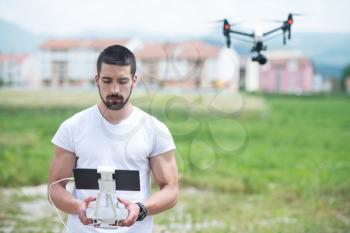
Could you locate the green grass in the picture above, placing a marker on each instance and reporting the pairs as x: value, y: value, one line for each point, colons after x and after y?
x: 278, y: 164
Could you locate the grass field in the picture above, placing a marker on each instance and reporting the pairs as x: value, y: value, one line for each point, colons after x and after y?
x: 247, y: 163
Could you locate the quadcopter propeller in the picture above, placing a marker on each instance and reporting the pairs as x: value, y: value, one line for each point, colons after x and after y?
x: 219, y: 21
x: 215, y: 21
x: 299, y: 14
x: 274, y: 21
x: 290, y: 15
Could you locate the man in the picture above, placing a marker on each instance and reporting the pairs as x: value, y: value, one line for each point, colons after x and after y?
x: 115, y: 133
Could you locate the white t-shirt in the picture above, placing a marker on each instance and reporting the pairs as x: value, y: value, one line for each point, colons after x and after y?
x: 127, y: 145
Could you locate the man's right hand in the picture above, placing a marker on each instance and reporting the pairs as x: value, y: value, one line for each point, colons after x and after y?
x: 82, y: 210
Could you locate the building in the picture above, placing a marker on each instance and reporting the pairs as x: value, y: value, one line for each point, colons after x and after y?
x: 73, y: 62
x: 153, y: 62
x: 288, y: 72
x: 347, y: 84
x: 189, y: 64
x: 19, y: 70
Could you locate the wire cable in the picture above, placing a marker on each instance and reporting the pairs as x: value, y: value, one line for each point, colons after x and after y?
x: 59, y: 215
x: 49, y: 194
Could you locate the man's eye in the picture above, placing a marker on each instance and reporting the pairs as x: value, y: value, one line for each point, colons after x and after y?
x: 124, y: 81
x: 106, y: 81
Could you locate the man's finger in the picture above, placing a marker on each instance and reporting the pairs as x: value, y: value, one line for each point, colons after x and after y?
x: 90, y: 199
x: 127, y: 222
x: 130, y: 220
x: 84, y: 219
x: 124, y: 202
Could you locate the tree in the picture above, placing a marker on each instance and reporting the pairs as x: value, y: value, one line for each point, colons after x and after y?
x: 345, y: 75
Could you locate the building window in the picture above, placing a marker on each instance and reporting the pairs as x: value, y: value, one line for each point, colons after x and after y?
x: 292, y: 65
x: 278, y: 81
x: 59, y: 72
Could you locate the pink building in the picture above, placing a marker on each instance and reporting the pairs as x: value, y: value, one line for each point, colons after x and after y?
x: 287, y: 72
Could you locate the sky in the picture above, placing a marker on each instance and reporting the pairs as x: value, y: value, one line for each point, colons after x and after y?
x: 171, y: 18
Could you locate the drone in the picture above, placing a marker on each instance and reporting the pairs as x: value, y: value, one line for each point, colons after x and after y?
x: 258, y: 37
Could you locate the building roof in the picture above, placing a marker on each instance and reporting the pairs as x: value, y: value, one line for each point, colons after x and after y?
x: 191, y: 50
x: 17, y: 58
x: 154, y: 51
x: 65, y: 44
x: 196, y: 50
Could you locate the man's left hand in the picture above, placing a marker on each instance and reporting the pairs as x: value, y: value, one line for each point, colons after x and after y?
x: 133, y: 210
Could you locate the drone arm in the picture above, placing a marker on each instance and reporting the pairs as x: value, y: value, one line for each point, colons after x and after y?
x: 272, y: 31
x: 242, y: 33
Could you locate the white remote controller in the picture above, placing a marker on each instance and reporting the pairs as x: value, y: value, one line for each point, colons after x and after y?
x: 109, y: 212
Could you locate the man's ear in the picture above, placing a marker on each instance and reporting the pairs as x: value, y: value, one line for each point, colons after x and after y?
x: 96, y: 80
x: 134, y: 80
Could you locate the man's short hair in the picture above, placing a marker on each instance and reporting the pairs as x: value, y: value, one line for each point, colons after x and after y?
x: 117, y: 55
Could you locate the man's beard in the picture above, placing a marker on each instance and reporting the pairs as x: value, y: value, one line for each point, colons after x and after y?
x: 115, y: 102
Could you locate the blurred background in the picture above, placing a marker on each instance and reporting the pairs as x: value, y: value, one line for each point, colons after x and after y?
x: 259, y: 148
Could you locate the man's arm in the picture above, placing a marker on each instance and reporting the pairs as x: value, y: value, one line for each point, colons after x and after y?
x: 61, y: 167
x: 165, y: 172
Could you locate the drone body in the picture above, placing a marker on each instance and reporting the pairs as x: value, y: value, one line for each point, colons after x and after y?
x: 258, y: 36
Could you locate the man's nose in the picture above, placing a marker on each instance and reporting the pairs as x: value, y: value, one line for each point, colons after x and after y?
x: 115, y: 88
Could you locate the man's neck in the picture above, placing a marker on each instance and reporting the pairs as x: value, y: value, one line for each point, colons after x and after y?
x: 114, y: 117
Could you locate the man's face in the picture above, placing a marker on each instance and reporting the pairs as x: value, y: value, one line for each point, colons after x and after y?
x: 115, y: 84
